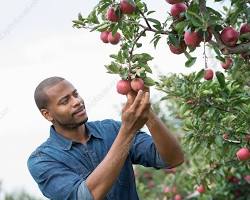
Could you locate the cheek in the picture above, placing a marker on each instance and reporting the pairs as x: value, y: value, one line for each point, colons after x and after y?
x: 62, y: 114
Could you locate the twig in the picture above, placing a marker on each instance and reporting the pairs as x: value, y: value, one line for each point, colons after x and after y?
x: 142, y: 14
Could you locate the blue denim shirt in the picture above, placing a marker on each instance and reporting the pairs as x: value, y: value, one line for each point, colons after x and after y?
x: 61, y: 166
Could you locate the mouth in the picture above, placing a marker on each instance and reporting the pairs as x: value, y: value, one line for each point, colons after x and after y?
x: 80, y: 111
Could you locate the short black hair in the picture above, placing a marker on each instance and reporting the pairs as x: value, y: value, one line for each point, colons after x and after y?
x: 40, y: 96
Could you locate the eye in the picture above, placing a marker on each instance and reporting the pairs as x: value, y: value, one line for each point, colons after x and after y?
x: 64, y: 101
x: 76, y: 94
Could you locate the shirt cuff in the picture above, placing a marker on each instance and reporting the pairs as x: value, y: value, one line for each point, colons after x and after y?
x: 83, y: 192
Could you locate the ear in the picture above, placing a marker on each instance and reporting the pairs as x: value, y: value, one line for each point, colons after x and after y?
x: 46, y: 114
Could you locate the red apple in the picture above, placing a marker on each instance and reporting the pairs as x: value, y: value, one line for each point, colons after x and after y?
x: 127, y: 6
x: 237, y: 193
x: 174, y: 189
x: 225, y: 136
x: 233, y: 179
x: 192, y: 39
x: 104, y: 36
x: 137, y: 84
x: 190, y: 102
x: 245, y: 28
x: 243, y: 154
x: 123, y: 87
x: 177, y: 197
x: 147, y: 175
x: 201, y: 189
x: 151, y: 184
x: 229, y: 36
x: 178, y: 49
x: 208, y: 74
x: 174, y: 1
x: 166, y: 189
x: 227, y: 64
x: 114, y: 39
x: 112, y: 16
x: 247, y: 178
x: 177, y: 9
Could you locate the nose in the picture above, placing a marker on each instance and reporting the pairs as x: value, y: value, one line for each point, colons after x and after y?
x: 76, y: 101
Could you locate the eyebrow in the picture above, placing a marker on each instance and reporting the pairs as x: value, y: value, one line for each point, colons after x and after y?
x: 66, y: 96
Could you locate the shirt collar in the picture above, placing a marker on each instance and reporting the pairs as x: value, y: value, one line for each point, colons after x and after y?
x: 67, y: 143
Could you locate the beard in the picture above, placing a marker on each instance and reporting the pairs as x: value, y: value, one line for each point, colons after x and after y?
x: 70, y: 126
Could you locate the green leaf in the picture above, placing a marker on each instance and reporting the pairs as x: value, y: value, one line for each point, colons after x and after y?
x: 155, y: 21
x: 173, y: 39
x: 195, y: 19
x: 115, y: 29
x: 103, y: 7
x: 149, y: 81
x: 93, y: 18
x: 145, y: 7
x: 79, y: 22
x: 221, y: 79
x: 100, y: 27
x: 146, y: 67
x: 113, y: 68
x: 248, y: 15
x: 150, y: 12
x: 138, y: 45
x: 214, y: 12
x: 180, y: 27
x: 156, y: 41
x: 80, y: 17
x: 245, y: 36
x: 199, y: 75
x: 190, y: 61
x: 146, y: 57
x: 113, y: 56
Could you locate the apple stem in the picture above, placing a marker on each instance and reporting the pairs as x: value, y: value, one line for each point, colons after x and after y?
x: 204, y: 49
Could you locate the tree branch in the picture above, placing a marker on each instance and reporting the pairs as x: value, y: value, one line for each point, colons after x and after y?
x: 142, y: 14
x: 202, y: 4
x: 135, y: 41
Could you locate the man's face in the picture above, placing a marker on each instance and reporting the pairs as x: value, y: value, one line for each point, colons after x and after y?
x: 65, y: 106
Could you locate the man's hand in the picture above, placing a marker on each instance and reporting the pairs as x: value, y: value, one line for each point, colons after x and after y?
x: 136, y: 110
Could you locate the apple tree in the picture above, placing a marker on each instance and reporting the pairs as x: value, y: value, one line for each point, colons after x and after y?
x: 212, y: 107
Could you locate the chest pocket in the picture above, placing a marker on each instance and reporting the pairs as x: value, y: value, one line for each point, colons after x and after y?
x: 74, y: 161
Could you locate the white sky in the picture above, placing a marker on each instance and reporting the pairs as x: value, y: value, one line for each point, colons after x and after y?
x: 37, y: 41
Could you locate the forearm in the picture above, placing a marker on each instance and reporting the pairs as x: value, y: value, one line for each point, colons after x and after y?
x: 102, y: 178
x: 166, y: 144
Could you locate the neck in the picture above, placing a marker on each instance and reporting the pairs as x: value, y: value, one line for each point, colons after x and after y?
x: 78, y: 134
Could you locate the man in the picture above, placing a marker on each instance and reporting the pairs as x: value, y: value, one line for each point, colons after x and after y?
x: 84, y: 160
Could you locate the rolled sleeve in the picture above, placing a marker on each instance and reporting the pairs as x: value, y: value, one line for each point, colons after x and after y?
x: 143, y: 150
x: 83, y: 192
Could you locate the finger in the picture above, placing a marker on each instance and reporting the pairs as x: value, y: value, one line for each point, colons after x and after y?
x: 137, y: 100
x: 130, y: 98
x: 146, y: 89
x: 145, y: 103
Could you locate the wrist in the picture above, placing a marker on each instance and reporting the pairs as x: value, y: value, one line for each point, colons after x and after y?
x: 125, y: 130
x: 151, y: 118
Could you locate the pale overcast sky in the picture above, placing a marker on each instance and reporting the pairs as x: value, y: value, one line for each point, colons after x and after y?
x: 37, y: 41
